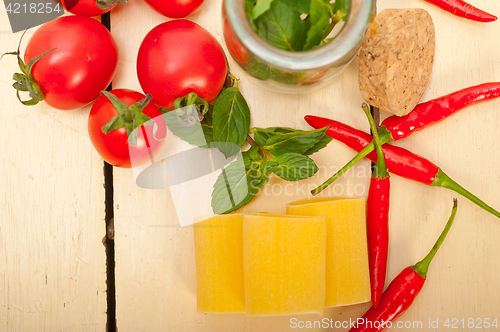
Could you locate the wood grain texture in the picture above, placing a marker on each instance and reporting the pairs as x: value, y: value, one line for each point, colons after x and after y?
x: 155, y: 276
x: 52, y: 260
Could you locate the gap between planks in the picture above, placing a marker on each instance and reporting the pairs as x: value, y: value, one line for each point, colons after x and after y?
x: 109, y: 242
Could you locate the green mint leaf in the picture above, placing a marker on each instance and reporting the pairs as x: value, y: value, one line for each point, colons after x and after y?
x: 189, y: 128
x: 253, y: 153
x: 298, y: 141
x: 323, y: 43
x: 286, y: 77
x: 230, y: 188
x: 320, y: 145
x: 237, y: 185
x: 231, y: 120
x: 259, y: 70
x: 294, y: 167
x: 268, y: 167
x: 320, y: 19
x: 300, y: 6
x: 261, y: 136
x: 261, y: 7
x: 249, y: 5
x: 281, y: 27
x: 340, y: 8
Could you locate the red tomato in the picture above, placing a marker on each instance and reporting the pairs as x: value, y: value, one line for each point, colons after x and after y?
x: 114, y: 147
x: 179, y: 57
x: 237, y: 50
x: 82, y: 65
x: 312, y: 78
x: 175, y: 8
x: 84, y: 7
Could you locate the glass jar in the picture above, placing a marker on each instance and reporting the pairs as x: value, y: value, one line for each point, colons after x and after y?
x: 293, y: 72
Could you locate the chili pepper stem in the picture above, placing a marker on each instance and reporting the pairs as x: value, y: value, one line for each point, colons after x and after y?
x: 422, y: 266
x: 443, y: 180
x: 380, y: 168
x: 363, y: 153
x: 385, y: 136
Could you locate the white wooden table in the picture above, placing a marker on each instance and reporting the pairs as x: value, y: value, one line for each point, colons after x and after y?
x: 52, y: 260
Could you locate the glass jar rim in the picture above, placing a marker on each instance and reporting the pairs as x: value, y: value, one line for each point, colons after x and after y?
x: 333, y: 52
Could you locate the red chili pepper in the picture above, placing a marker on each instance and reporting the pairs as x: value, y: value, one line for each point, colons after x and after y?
x: 426, y: 114
x: 399, y: 161
x: 463, y: 9
x: 377, y: 218
x: 402, y: 291
x: 436, y: 110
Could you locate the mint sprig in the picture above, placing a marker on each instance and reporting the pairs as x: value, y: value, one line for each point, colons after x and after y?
x: 289, y: 161
x: 226, y: 126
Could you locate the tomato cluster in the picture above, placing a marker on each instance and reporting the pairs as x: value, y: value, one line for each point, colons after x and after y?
x: 168, y: 8
x: 69, y: 61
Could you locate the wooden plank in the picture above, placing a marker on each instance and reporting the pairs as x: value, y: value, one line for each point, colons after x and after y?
x: 155, y: 273
x: 464, y: 273
x: 155, y: 277
x: 52, y: 260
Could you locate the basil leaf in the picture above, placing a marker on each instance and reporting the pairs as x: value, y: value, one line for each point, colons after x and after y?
x: 281, y: 27
x: 300, y: 6
x: 294, y: 167
x: 320, y: 18
x: 190, y: 129
x: 297, y: 141
x: 320, y: 145
x: 237, y: 185
x: 261, y: 7
x: 231, y: 120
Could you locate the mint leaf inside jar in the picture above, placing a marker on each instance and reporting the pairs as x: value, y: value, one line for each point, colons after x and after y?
x: 295, y: 25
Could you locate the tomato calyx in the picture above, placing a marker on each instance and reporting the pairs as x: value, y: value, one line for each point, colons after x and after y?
x: 24, y: 81
x: 189, y: 107
x: 129, y: 117
x: 105, y: 4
